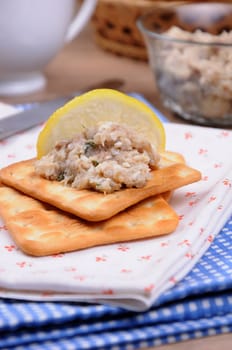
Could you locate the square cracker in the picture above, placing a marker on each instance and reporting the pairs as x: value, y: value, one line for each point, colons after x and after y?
x: 39, y: 229
x: 92, y: 205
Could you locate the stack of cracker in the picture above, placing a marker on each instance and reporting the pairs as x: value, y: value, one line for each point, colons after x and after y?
x: 46, y: 217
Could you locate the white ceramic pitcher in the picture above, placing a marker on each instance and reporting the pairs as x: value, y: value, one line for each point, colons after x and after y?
x: 32, y: 32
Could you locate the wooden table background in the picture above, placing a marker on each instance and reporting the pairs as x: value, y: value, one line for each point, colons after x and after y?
x: 80, y: 65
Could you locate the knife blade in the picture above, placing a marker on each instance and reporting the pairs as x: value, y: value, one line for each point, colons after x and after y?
x: 21, y: 121
x: 39, y: 112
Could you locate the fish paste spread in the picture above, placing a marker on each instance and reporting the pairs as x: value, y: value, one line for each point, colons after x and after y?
x: 105, y: 158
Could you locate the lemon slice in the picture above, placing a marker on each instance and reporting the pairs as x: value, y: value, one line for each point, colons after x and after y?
x: 94, y: 107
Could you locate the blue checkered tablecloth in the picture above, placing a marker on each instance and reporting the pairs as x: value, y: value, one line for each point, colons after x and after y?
x: 199, y: 305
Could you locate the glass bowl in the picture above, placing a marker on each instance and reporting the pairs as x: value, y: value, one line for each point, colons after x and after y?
x: 190, y: 53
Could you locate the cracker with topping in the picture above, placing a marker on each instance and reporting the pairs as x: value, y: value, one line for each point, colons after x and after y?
x: 88, y: 204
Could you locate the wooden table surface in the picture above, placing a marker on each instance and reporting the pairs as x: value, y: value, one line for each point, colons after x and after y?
x: 82, y: 64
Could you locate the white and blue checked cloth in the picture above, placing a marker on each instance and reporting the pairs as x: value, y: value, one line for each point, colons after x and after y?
x: 199, y: 305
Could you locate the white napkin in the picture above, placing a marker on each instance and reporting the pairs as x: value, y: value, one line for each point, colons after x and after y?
x: 131, y: 275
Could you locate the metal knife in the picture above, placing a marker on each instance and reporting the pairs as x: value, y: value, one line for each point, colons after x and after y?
x: 40, y: 112
x: 27, y: 119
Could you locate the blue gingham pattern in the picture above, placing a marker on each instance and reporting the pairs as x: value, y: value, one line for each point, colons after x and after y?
x: 200, y: 305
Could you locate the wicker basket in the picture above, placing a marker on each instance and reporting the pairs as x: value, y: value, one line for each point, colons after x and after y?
x: 115, y: 25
